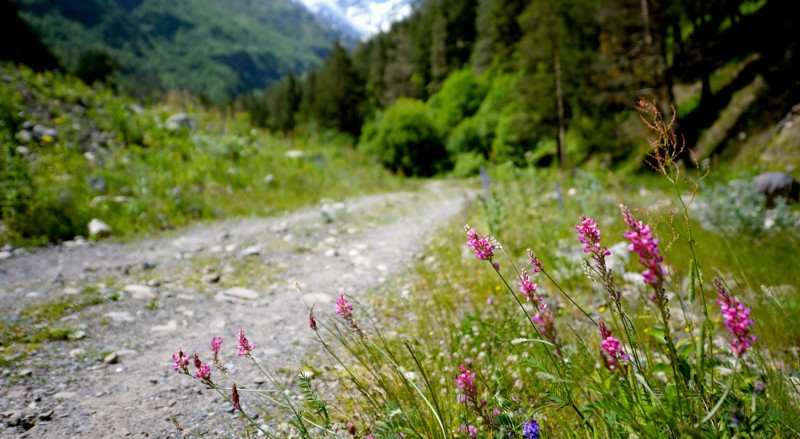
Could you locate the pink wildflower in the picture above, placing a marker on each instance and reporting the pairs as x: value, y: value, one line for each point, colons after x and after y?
x: 482, y: 245
x: 216, y: 342
x: 646, y: 246
x: 527, y: 287
x: 613, y: 353
x: 244, y: 346
x: 180, y: 362
x: 235, y: 398
x: 203, y: 372
x: 465, y: 383
x: 545, y: 323
x: 470, y: 430
x: 345, y: 309
x: 535, y: 262
x: 736, y: 319
x: 590, y: 236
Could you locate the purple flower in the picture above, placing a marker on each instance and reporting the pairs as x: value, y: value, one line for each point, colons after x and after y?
x: 471, y: 430
x: 590, y: 236
x: 527, y: 287
x: 612, y: 350
x: 736, y: 318
x: 244, y: 346
x: 343, y: 307
x: 535, y: 262
x: 203, y: 372
x: 216, y: 342
x: 530, y: 429
x: 465, y: 383
x: 180, y: 362
x: 351, y: 428
x: 646, y: 246
x: 482, y: 245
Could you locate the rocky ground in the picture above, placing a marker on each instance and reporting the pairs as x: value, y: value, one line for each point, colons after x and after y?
x: 112, y: 378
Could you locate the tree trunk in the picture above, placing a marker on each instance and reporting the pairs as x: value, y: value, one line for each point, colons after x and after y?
x: 562, y: 131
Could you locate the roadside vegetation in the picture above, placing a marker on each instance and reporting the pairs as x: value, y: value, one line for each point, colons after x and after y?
x: 72, y: 153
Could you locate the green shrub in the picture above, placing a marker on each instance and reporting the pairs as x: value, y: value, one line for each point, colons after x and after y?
x: 460, y: 97
x: 468, y: 164
x: 405, y: 140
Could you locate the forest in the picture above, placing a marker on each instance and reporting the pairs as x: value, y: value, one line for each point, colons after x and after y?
x: 461, y: 83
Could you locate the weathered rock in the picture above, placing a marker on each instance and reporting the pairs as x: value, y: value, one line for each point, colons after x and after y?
x: 211, y: 278
x: 24, y: 136
x: 64, y: 395
x: 77, y: 335
x: 241, y: 293
x: 777, y: 185
x: 111, y: 358
x: 140, y: 292
x: 120, y: 316
x: 77, y: 352
x: 179, y: 121
x: 98, y: 229
x: 253, y: 250
x: 5, y: 255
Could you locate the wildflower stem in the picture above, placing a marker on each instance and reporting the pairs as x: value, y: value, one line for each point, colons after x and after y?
x: 568, y: 296
x: 549, y: 354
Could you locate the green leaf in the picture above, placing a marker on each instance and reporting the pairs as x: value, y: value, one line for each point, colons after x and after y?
x: 692, y: 277
x: 657, y: 332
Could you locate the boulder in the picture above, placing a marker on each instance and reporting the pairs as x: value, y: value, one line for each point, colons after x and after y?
x: 98, y: 229
x: 179, y: 121
x: 777, y: 184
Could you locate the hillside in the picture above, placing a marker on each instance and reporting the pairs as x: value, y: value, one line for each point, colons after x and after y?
x: 216, y: 49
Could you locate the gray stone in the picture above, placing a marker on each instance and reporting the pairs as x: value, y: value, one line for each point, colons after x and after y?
x: 77, y: 352
x: 179, y: 121
x: 5, y: 255
x: 140, y: 292
x: 77, y: 335
x: 241, y: 293
x: 111, y: 358
x: 98, y: 229
x: 25, y: 372
x: 127, y: 352
x: 211, y: 278
x: 64, y: 395
x: 120, y: 316
x: 777, y: 185
x: 253, y: 250
x: 23, y: 150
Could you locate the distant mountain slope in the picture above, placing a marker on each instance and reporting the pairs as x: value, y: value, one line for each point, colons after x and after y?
x: 217, y: 48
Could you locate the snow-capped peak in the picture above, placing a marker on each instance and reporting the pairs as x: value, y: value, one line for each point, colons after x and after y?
x: 365, y: 17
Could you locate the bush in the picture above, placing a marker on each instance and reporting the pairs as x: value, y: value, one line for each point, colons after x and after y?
x: 460, y: 97
x: 405, y: 140
x: 468, y: 164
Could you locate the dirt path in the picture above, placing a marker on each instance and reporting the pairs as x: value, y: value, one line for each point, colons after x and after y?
x: 114, y: 378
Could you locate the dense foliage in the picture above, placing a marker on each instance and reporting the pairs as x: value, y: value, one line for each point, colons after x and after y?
x: 216, y: 49
x: 563, y: 75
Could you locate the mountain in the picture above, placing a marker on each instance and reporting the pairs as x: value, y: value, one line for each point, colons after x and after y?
x: 362, y: 18
x: 214, y: 48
